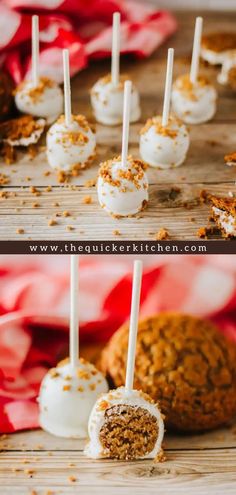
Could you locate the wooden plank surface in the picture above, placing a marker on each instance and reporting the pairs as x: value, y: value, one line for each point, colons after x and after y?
x: 203, y: 464
x: 203, y: 169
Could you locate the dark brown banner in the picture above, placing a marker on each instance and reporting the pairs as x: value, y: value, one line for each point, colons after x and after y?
x: 117, y: 247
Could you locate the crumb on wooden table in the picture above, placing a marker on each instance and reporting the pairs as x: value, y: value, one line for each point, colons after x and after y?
x: 66, y: 213
x: 4, y: 179
x: 87, y: 200
x: 70, y: 228
x: 116, y: 232
x: 52, y: 222
x: 162, y: 235
x: 90, y: 182
x: 34, y: 191
x: 20, y: 231
x: 72, y: 479
x: 202, y: 233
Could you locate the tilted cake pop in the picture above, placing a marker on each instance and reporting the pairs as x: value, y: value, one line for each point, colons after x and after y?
x: 122, y: 183
x: 39, y: 96
x: 68, y: 392
x: 108, y: 92
x: 164, y: 140
x: 71, y: 143
x: 193, y: 97
x: 126, y: 424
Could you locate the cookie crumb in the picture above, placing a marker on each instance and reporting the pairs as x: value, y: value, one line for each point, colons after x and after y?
x: 52, y: 222
x: 162, y: 235
x: 116, y: 232
x: 20, y: 231
x: 87, y: 200
x: 72, y: 479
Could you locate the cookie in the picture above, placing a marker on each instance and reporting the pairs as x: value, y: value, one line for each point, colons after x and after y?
x: 185, y: 363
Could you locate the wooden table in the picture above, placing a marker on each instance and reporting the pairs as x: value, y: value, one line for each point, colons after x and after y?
x: 181, y: 214
x: 35, y: 463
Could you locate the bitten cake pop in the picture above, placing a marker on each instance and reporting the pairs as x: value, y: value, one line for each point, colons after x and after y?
x: 164, y: 140
x: 69, y: 391
x: 122, y: 183
x: 193, y: 97
x: 227, y: 75
x: 108, y: 92
x: 70, y: 141
x: 126, y: 424
x: 39, y: 96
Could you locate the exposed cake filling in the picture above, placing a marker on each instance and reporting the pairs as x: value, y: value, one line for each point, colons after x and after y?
x: 128, y: 432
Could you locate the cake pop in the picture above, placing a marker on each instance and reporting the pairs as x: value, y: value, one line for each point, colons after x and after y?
x: 108, y: 92
x: 126, y: 424
x: 39, y: 96
x: 164, y: 140
x: 70, y: 141
x: 227, y: 74
x: 193, y: 97
x: 69, y: 391
x: 122, y: 183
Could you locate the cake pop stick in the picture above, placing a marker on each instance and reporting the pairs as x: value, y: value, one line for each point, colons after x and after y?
x: 67, y: 90
x: 126, y: 119
x: 168, y: 87
x: 115, y: 58
x: 35, y: 50
x: 74, y: 313
x: 133, y: 328
x: 196, y: 50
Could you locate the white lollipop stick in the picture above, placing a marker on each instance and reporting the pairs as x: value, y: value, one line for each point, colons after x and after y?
x: 133, y: 327
x: 196, y: 50
x: 168, y: 86
x: 115, y: 58
x: 126, y: 118
x: 74, y: 313
x: 67, y: 91
x: 35, y: 50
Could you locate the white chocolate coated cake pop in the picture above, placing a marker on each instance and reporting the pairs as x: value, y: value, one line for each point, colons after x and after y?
x: 68, y: 392
x: 70, y: 141
x: 122, y: 183
x: 164, y: 140
x: 115, y: 424
x: 70, y: 145
x: 39, y: 96
x: 164, y: 147
x: 193, y: 97
x: 67, y: 396
x: 126, y: 424
x: 107, y: 94
x: 122, y: 190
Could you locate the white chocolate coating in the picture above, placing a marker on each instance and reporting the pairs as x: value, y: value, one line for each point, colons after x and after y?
x: 228, y: 63
x: 194, y: 104
x: 107, y: 102
x: 213, y: 57
x: 122, y: 196
x: 94, y: 448
x: 47, y: 102
x: 70, y: 146
x: 226, y: 221
x: 66, y: 398
x: 164, y: 147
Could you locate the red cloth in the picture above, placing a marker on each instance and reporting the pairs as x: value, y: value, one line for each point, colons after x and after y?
x: 34, y: 304
x: 83, y: 26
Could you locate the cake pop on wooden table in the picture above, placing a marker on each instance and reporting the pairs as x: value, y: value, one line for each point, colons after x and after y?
x: 69, y: 391
x: 193, y: 97
x: 108, y: 92
x: 164, y: 140
x: 122, y: 183
x: 71, y: 143
x: 39, y: 96
x: 126, y: 424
